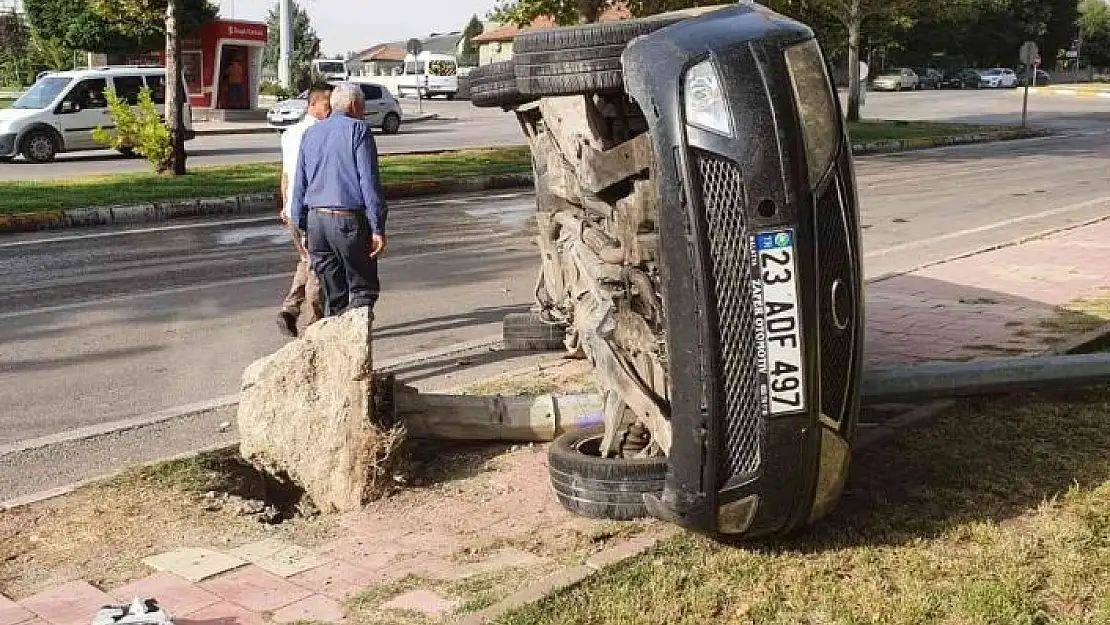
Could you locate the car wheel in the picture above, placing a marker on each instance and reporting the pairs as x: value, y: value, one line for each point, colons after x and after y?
x: 529, y: 332
x: 602, y: 488
x: 40, y: 147
x: 128, y: 152
x: 495, y: 85
x: 391, y: 124
x: 579, y: 59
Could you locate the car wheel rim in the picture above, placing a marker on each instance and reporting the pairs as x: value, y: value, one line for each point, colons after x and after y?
x: 41, y: 148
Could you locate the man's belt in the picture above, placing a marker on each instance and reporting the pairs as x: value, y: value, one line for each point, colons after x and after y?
x: 338, y: 212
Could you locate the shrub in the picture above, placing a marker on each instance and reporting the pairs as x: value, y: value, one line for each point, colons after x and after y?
x: 276, y: 90
x: 140, y: 129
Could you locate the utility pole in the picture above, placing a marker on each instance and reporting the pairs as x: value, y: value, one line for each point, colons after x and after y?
x: 285, y: 46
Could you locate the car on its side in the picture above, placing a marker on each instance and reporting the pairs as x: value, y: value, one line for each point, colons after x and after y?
x: 999, y: 78
x: 928, y: 78
x: 382, y: 109
x: 898, y: 79
x: 62, y: 109
x: 967, y: 78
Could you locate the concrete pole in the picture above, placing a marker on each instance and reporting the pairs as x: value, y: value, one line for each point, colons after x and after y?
x: 285, y: 55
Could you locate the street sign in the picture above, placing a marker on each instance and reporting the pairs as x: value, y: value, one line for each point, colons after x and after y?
x: 864, y: 71
x: 414, y: 47
x: 1037, y: 61
x: 1028, y: 51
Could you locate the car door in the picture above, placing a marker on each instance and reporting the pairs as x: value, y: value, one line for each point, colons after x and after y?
x: 83, y: 110
x: 376, y: 105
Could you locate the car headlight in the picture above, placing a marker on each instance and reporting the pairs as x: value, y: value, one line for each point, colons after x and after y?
x: 705, y: 99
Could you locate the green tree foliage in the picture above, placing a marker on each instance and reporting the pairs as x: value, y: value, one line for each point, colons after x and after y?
x: 140, y: 129
x: 469, y: 55
x: 306, y: 44
x: 15, y: 41
x: 1094, y: 27
x: 112, y: 26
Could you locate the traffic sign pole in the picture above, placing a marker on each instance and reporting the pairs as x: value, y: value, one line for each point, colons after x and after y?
x: 1030, y: 57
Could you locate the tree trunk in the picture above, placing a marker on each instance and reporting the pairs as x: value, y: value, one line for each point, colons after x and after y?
x: 175, y: 89
x: 854, y: 20
x: 591, y: 10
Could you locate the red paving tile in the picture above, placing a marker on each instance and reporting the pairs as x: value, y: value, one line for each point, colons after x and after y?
x: 74, y: 603
x: 11, y: 613
x: 338, y: 580
x: 317, y: 608
x: 255, y: 589
x: 177, y: 596
x: 223, y: 613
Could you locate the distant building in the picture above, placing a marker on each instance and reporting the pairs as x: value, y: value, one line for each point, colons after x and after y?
x: 388, y: 59
x: 496, y: 44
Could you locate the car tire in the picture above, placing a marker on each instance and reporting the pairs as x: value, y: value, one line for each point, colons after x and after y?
x: 529, y: 332
x: 391, y: 125
x: 601, y: 488
x: 128, y: 152
x: 494, y: 85
x: 39, y: 146
x: 579, y: 59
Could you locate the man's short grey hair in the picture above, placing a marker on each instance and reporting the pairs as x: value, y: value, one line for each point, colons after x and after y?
x: 344, y: 95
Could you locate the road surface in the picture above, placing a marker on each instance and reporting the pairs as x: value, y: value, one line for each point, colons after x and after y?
x: 100, y: 325
x: 468, y: 126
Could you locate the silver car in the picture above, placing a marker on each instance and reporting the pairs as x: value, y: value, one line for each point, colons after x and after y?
x: 382, y: 109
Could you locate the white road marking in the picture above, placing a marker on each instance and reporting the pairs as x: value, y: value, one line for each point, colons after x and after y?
x: 991, y: 226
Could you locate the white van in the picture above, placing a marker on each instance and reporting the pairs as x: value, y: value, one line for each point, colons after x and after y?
x: 428, y: 74
x: 331, y: 69
x: 61, y: 110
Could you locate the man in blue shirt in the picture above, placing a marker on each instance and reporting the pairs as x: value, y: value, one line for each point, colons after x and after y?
x: 337, y: 201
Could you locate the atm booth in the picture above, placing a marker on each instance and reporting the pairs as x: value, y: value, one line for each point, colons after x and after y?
x: 221, y: 63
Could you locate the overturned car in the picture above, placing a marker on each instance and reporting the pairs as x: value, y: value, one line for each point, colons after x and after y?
x: 697, y: 217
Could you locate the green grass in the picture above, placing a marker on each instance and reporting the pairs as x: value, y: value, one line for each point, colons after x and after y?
x: 872, y: 131
x: 5, y: 103
x: 997, y: 513
x: 214, y: 182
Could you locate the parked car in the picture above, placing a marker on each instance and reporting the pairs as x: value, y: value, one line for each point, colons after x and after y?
x: 898, y: 79
x: 928, y: 78
x: 967, y: 78
x: 705, y: 262
x: 999, y: 78
x: 1042, y: 78
x: 60, y: 111
x: 429, y: 74
x: 382, y: 109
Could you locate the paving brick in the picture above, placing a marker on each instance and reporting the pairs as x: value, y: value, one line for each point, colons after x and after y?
x: 545, y: 586
x: 223, y: 613
x: 623, y: 551
x: 316, y: 608
x: 280, y: 558
x: 194, y: 564
x: 363, y: 552
x: 422, y: 601
x: 501, y: 561
x: 11, y: 613
x: 74, y: 603
x: 255, y: 589
x: 176, y: 595
x: 338, y: 580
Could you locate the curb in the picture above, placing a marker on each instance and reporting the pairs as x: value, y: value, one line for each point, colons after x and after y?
x: 237, y: 205
x: 910, y: 145
x: 1071, y: 91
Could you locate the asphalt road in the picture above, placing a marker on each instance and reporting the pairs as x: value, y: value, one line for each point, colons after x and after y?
x: 467, y: 126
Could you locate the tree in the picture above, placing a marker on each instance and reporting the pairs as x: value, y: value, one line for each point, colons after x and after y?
x: 111, y: 26
x: 469, y: 55
x: 1094, y: 28
x: 306, y: 45
x: 15, y: 39
x: 566, y: 12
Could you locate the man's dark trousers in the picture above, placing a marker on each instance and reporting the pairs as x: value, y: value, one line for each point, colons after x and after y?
x: 339, y: 244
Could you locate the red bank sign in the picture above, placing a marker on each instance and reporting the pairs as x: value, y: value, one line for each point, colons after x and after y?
x: 243, y: 30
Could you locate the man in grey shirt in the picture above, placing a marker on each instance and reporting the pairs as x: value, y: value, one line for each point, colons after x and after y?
x: 337, y: 201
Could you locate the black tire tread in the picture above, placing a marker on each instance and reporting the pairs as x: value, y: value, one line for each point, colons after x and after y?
x: 494, y: 85
x: 602, y: 488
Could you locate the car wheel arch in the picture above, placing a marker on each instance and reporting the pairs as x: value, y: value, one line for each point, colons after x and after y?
x: 59, y: 142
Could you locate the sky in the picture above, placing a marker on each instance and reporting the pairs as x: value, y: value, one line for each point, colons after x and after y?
x: 342, y: 27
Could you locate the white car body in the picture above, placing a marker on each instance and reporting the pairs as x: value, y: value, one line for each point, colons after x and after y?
x: 999, y: 78
x: 57, y: 109
x: 901, y: 79
x: 382, y: 109
x: 428, y: 74
x: 331, y: 69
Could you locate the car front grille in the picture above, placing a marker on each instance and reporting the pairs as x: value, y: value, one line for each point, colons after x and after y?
x: 835, y: 263
x: 723, y: 201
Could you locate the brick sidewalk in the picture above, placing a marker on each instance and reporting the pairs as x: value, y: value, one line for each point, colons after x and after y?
x: 991, y: 304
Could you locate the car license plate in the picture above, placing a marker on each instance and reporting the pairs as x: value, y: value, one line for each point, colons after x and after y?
x: 778, y: 323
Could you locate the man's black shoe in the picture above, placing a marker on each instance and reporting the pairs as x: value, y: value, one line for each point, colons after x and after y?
x: 287, y: 323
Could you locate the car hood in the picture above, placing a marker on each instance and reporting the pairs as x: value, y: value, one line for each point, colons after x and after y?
x: 291, y: 105
x: 10, y: 115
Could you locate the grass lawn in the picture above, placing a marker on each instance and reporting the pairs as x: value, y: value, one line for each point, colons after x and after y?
x: 998, y: 513
x: 869, y: 131
x: 213, y: 182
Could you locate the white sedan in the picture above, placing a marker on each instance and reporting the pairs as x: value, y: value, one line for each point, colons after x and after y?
x: 999, y: 78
